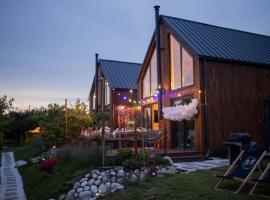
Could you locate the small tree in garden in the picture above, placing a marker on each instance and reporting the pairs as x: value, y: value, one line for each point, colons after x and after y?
x: 53, y: 124
x: 101, y: 119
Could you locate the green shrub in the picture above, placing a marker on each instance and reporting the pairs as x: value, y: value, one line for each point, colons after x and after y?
x: 132, y: 164
x: 122, y: 155
x: 144, y: 156
x: 158, y: 160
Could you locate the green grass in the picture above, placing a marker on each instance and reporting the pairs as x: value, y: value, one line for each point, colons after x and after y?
x: 40, y: 186
x: 193, y: 186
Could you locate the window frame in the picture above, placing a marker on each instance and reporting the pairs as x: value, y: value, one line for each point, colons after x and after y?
x: 149, y: 67
x: 169, y: 34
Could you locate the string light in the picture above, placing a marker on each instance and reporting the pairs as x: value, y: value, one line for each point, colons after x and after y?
x: 124, y: 98
x: 131, y: 91
x: 129, y: 100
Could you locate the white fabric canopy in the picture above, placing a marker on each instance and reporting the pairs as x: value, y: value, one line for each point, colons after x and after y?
x: 181, y: 112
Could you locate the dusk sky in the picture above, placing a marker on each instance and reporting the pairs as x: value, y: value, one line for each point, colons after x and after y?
x: 47, y: 47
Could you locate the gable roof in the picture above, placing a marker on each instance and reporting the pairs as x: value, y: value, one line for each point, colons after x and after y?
x: 218, y: 42
x: 120, y: 74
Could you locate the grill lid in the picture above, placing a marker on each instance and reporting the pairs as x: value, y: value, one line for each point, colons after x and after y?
x: 240, y: 137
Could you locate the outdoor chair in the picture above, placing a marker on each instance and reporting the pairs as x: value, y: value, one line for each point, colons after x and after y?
x: 263, y: 179
x: 242, y: 169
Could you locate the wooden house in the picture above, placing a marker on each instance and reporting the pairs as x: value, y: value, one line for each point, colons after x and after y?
x: 226, y: 70
x: 114, y: 89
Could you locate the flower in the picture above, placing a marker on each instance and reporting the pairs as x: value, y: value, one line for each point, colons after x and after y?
x: 47, y: 165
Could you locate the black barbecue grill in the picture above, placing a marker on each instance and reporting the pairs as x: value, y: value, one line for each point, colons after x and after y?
x: 238, y: 142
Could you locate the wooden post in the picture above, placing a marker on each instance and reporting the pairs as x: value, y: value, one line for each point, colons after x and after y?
x: 103, y: 143
x: 66, y: 117
x: 165, y: 140
x: 135, y: 140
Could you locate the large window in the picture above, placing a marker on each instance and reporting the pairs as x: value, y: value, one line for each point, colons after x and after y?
x: 107, y: 93
x: 150, y: 83
x: 175, y: 63
x: 94, y: 101
x: 146, y: 83
x: 181, y: 65
x: 187, y: 68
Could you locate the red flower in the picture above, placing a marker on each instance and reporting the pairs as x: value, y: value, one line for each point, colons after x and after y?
x: 47, y: 165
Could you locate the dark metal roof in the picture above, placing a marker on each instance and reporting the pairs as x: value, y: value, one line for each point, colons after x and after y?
x: 120, y: 74
x: 222, y: 43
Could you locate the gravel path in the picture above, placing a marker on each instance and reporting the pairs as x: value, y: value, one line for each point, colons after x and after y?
x: 11, y: 186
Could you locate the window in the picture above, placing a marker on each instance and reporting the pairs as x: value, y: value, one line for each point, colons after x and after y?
x: 153, y: 65
x: 187, y: 68
x: 150, y: 83
x: 181, y: 65
x: 175, y: 63
x: 94, y: 101
x: 184, y: 133
x: 107, y: 93
x: 146, y: 83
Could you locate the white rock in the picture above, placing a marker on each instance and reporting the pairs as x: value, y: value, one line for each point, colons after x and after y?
x: 75, y: 195
x: 87, y: 175
x: 76, y: 185
x: 120, y: 173
x: 62, y: 197
x: 71, y: 192
x: 99, y: 177
x: 172, y: 170
x: 113, y: 173
x: 84, y: 183
x: 20, y: 163
x: 120, y: 180
x: 79, y: 190
x: 108, y: 185
x: 102, y: 189
x: 136, y: 171
x: 85, y: 194
x: 103, y: 174
x: 116, y: 186
x: 97, y: 172
x: 169, y: 159
x: 113, y: 179
x: 86, y: 188
x: 83, y: 179
x: 94, y: 176
x: 91, y: 182
x: 97, y: 182
x: 104, y: 179
x: 93, y: 189
x: 69, y: 196
x: 133, y: 177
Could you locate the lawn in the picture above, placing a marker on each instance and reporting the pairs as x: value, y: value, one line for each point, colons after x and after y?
x: 193, y: 186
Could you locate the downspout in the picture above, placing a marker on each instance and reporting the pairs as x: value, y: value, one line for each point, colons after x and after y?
x: 157, y: 31
x: 206, y: 126
x: 96, y: 83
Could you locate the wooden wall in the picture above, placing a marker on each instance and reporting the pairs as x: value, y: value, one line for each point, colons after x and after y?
x: 235, y: 93
x: 170, y: 95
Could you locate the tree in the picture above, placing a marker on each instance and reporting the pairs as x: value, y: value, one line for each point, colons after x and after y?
x: 5, y: 104
x: 53, y: 124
